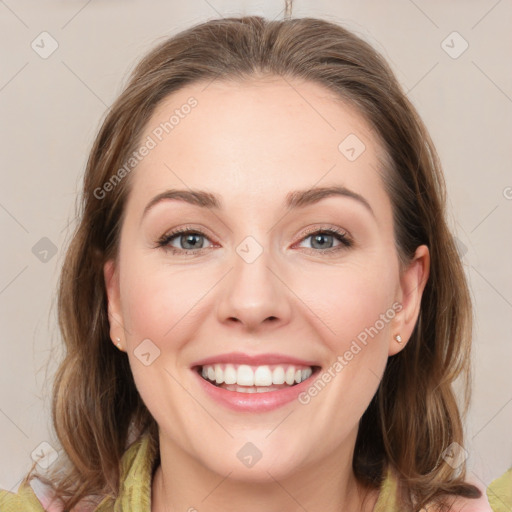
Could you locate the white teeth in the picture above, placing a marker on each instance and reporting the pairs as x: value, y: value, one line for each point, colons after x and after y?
x: 278, y: 375
x: 306, y: 373
x: 245, y: 376
x: 219, y: 377
x: 290, y: 375
x: 258, y: 377
x: 229, y: 374
x: 250, y: 389
x: 262, y: 376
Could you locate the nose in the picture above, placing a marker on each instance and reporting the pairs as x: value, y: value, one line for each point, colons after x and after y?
x: 255, y: 295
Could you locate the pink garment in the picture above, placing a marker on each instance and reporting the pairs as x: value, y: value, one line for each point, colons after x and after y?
x: 44, y: 494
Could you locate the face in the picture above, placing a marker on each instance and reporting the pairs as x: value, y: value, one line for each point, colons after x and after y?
x: 273, y: 275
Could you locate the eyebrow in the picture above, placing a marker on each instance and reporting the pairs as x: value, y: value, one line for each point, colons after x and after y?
x: 295, y: 199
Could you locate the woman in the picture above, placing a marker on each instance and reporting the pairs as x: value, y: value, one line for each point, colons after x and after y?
x: 263, y: 307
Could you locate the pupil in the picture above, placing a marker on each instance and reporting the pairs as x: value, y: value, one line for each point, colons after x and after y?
x: 189, y: 239
x: 320, y: 237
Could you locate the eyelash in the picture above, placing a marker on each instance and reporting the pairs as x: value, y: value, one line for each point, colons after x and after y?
x: 346, y: 241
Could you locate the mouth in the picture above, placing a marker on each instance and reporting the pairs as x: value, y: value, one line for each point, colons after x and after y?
x: 243, y: 378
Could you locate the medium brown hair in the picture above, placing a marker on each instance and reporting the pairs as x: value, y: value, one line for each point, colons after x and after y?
x: 414, y: 416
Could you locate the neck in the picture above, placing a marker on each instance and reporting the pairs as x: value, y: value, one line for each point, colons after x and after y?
x: 183, y: 483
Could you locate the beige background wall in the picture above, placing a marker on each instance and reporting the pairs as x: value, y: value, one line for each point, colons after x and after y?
x: 50, y: 109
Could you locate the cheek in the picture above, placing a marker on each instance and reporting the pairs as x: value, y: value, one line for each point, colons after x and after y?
x: 356, y: 303
x: 159, y: 315
x: 157, y: 303
x: 348, y: 300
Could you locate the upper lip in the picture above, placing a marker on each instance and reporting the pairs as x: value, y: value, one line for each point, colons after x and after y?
x: 253, y: 360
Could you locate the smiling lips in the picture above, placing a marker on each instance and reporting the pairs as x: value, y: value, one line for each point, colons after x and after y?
x: 259, y: 377
x: 254, y: 398
x: 258, y: 372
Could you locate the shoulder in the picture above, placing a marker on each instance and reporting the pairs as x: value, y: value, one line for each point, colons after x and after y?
x: 32, y: 496
x: 499, y: 493
x: 35, y: 496
x: 387, y: 502
x: 24, y: 500
x: 461, y: 504
x: 471, y: 505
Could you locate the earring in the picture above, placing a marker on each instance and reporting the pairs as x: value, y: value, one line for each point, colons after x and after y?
x: 118, y: 343
x: 398, y: 338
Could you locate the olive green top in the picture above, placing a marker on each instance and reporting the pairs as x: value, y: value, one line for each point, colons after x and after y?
x: 135, y: 494
x: 499, y: 493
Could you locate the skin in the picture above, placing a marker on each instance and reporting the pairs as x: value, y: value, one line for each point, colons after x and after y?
x: 252, y: 143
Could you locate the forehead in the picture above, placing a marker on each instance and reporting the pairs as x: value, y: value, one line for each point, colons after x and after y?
x: 256, y: 138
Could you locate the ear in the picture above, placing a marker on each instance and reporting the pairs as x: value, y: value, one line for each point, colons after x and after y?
x: 412, y: 283
x: 115, y: 316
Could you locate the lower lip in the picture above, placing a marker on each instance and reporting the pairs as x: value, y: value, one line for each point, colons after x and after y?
x: 255, y: 402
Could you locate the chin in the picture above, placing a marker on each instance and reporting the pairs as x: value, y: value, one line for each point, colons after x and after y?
x: 260, y: 473
x: 253, y: 461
